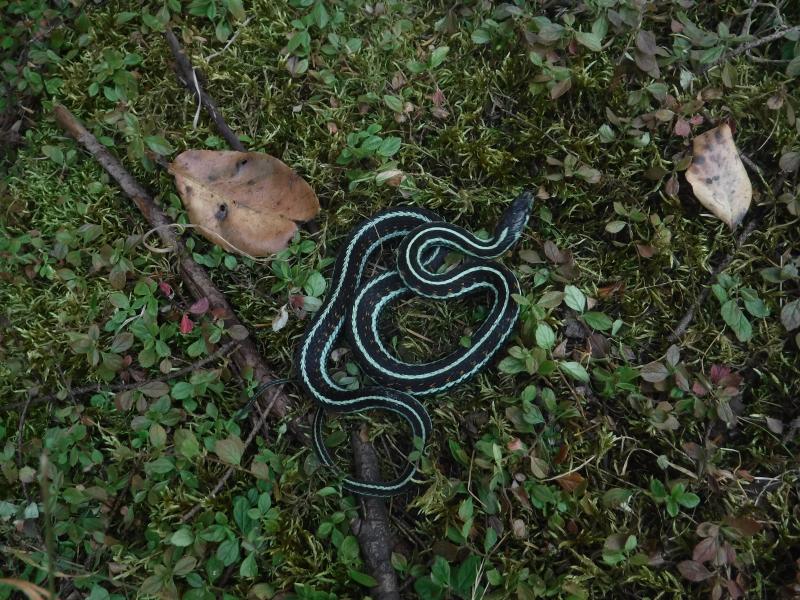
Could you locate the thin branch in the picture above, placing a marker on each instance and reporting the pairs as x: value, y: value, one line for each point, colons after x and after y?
x: 192, y: 79
x: 688, y: 317
x: 229, y: 471
x: 246, y: 357
x: 748, y: 46
x: 373, y: 531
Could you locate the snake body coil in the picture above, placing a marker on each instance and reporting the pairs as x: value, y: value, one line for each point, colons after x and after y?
x: 354, y: 307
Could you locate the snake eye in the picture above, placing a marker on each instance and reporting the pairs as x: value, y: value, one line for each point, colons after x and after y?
x: 222, y: 212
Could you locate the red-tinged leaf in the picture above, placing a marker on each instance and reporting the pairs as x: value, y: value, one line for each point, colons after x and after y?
x: 438, y: 98
x: 706, y: 529
x: 562, y: 455
x: 697, y: 120
x: 123, y: 401
x: 682, y: 128
x: 186, y: 324
x: 515, y: 444
x: 744, y: 525
x: 693, y: 570
x: 698, y: 389
x: 296, y: 301
x: 673, y: 186
x: 570, y: 482
x: 734, y: 590
x: 718, y: 372
x: 552, y: 252
x: 200, y: 307
x: 166, y: 289
x: 610, y: 290
x: 705, y: 550
x: 645, y: 250
x: 219, y: 312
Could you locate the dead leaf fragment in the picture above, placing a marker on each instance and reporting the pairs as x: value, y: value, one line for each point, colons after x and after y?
x: 244, y: 201
x: 718, y: 177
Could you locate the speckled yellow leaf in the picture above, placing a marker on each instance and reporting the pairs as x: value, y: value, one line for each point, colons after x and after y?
x: 718, y: 177
x: 245, y: 201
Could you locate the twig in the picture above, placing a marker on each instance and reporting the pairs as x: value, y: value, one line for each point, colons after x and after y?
x: 123, y: 387
x: 246, y: 357
x: 191, y: 78
x: 746, y: 47
x: 688, y: 316
x: 230, y: 41
x: 373, y: 531
x: 229, y: 471
x: 21, y: 429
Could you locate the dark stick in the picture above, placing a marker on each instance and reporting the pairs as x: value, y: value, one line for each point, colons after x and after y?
x: 688, y: 316
x: 746, y: 47
x: 192, y: 79
x: 229, y: 471
x: 373, y: 531
x: 246, y: 356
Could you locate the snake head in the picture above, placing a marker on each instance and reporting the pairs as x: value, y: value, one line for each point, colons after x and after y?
x: 516, y: 216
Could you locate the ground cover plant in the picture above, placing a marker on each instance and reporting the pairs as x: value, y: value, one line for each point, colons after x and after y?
x: 601, y: 456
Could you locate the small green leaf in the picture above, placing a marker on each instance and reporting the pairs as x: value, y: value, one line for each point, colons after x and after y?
x: 480, y: 36
x: 736, y: 320
x: 616, y: 497
x: 689, y: 500
x: 657, y: 489
x: 182, y: 538
x: 574, y: 298
x: 389, y: 147
x: 790, y: 315
x: 158, y: 144
x: 592, y: 41
x: 230, y: 450
x: 249, y: 568
x: 54, y: 153
x: 440, y: 571
x: 545, y: 336
x: 597, y: 320
x: 574, y: 370
x: 362, y: 578
x: 438, y: 56
x: 393, y: 102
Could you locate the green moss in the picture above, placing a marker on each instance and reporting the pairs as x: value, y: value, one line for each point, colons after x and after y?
x: 501, y: 133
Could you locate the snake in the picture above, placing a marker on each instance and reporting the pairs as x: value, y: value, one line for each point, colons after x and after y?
x: 354, y: 304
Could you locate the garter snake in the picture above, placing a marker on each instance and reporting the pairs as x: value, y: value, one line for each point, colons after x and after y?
x: 353, y: 307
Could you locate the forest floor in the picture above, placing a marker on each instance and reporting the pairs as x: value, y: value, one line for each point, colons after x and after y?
x: 623, y: 444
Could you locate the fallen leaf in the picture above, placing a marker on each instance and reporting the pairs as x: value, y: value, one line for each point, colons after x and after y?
x: 200, y: 307
x: 570, y: 482
x: 693, y: 570
x: 245, y: 201
x: 718, y: 177
x: 166, y: 289
x: 186, y: 324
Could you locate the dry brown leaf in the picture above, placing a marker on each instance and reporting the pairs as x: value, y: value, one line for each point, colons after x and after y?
x: 718, y: 177
x: 244, y: 201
